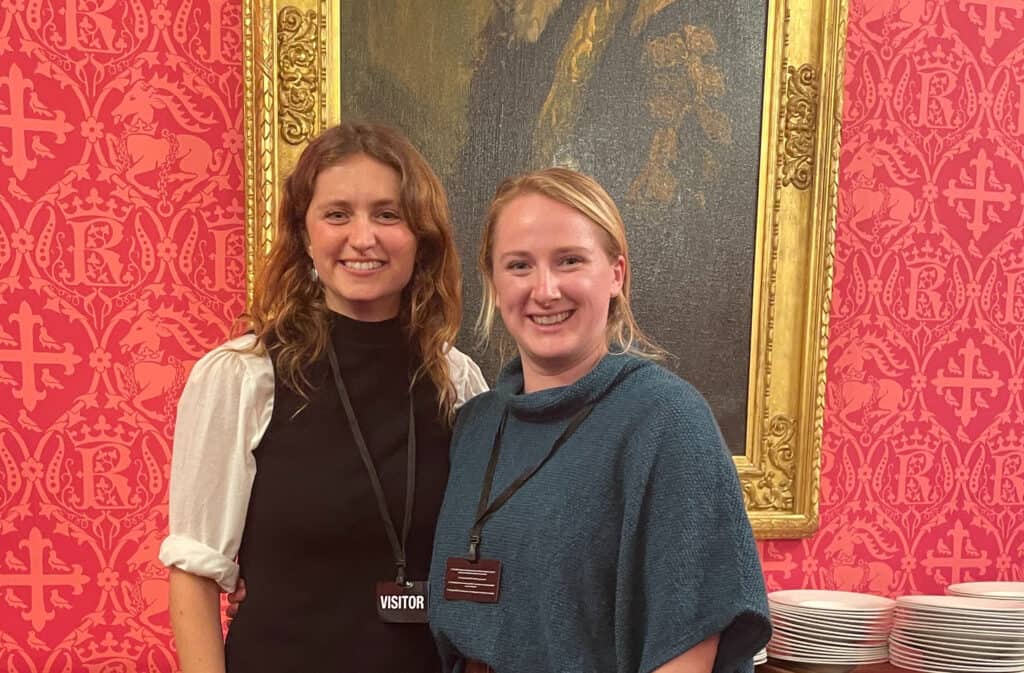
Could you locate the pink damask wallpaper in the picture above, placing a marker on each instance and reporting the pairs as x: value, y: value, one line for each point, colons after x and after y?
x: 121, y: 242
x: 923, y: 462
x: 121, y: 262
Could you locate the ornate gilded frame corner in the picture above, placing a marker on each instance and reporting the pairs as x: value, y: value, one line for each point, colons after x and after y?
x: 291, y: 67
x: 292, y: 91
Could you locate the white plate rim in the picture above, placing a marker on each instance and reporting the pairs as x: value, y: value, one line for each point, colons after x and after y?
x: 930, y: 634
x: 972, y: 589
x: 910, y: 641
x: 855, y: 621
x: 833, y: 630
x: 961, y: 621
x: 961, y: 604
x: 826, y: 660
x: 912, y: 664
x: 899, y: 650
x: 849, y: 601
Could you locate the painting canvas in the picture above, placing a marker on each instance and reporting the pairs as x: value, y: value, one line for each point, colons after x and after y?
x: 659, y: 100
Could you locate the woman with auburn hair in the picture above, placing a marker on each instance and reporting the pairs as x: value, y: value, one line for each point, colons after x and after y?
x: 593, y: 519
x: 311, y: 454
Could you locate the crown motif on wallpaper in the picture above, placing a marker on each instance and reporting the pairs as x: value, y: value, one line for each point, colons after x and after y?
x: 927, y: 250
x: 111, y: 650
x: 943, y: 55
x: 101, y: 431
x: 224, y: 216
x: 914, y: 439
x: 1017, y: 66
x: 1012, y: 256
x: 95, y: 206
x: 1006, y: 441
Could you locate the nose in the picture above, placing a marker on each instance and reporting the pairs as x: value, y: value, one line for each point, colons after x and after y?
x: 361, y: 234
x: 545, y: 288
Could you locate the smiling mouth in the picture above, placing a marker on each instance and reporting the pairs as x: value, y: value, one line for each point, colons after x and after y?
x: 553, y: 319
x: 369, y: 265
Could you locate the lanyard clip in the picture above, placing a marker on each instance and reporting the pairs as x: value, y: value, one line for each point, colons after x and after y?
x: 474, y: 545
x: 400, y: 578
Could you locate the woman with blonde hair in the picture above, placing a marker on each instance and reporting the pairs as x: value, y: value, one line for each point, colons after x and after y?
x: 310, y: 455
x: 593, y: 519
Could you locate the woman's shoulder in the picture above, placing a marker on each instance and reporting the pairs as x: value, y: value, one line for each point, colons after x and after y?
x: 465, y: 375
x: 675, y: 414
x: 234, y: 360
x: 477, y: 414
x: 654, y: 385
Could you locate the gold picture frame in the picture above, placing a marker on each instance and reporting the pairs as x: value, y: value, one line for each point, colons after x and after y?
x: 292, y: 91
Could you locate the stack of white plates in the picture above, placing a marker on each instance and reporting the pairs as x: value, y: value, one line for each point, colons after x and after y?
x: 1007, y: 591
x: 829, y: 627
x: 948, y: 634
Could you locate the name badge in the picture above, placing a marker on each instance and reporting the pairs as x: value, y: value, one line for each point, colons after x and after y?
x: 402, y: 605
x: 478, y: 582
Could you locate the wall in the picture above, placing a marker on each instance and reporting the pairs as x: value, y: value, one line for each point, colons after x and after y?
x: 121, y: 262
x: 923, y: 462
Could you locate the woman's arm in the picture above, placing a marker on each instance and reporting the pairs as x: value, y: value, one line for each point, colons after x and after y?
x: 698, y: 659
x: 224, y: 410
x: 195, y: 618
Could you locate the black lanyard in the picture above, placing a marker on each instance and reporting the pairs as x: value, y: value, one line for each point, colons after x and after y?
x: 397, y: 547
x: 483, y: 511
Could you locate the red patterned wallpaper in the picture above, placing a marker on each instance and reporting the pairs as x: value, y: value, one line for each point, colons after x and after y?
x: 121, y: 262
x: 923, y: 465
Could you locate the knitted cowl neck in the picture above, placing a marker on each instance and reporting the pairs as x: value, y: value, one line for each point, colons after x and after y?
x: 563, y: 401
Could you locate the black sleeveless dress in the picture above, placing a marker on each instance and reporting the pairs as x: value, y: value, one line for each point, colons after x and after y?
x: 314, y: 545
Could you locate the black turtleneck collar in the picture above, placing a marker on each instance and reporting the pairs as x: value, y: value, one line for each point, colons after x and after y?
x: 347, y: 332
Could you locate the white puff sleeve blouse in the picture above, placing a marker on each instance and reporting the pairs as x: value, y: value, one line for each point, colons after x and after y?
x: 223, y: 413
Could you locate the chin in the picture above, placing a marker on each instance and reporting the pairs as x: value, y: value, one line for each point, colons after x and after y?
x: 551, y: 358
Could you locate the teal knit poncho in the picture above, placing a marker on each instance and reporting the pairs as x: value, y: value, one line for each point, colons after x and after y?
x: 628, y: 548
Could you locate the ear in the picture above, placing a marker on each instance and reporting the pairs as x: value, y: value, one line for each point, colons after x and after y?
x: 619, y: 276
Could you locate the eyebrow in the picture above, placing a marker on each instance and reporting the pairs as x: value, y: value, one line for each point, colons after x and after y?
x: 335, y: 203
x: 572, y: 249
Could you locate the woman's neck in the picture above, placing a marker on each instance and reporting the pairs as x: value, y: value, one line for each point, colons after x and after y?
x: 538, y: 376
x: 363, y: 311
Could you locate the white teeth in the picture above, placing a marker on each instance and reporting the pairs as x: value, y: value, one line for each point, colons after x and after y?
x: 363, y: 266
x: 551, y: 319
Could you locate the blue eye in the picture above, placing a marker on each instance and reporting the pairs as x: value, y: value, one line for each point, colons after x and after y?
x: 572, y: 260
x: 389, y: 216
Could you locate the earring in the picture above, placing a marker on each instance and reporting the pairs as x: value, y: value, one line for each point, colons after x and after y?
x: 313, y: 274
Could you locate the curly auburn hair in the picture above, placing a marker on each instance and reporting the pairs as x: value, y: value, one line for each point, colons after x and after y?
x: 289, y: 307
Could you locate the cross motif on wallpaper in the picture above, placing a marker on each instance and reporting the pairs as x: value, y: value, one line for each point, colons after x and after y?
x: 990, y: 32
x: 962, y: 376
x: 21, y: 125
x: 957, y: 562
x: 978, y: 194
x: 37, y: 579
x: 29, y: 358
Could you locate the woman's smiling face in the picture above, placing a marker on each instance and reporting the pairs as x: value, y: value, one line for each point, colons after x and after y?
x: 363, y: 250
x: 553, y: 282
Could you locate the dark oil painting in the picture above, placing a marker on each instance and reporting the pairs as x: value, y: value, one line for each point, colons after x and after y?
x: 659, y: 100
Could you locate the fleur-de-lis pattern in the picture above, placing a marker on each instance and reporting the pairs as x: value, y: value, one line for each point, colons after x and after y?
x: 121, y: 262
x: 922, y: 481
